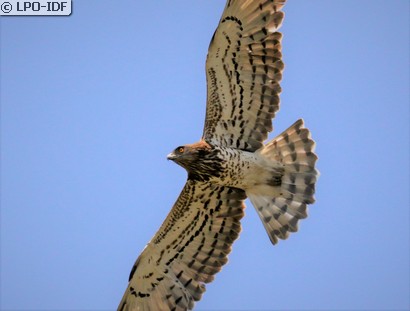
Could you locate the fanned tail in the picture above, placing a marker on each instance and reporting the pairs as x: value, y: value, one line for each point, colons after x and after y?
x: 281, y: 211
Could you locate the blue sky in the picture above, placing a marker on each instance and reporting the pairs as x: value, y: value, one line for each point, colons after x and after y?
x: 91, y: 104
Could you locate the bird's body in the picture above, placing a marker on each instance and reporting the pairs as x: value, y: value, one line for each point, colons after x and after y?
x: 230, y: 163
x: 227, y: 166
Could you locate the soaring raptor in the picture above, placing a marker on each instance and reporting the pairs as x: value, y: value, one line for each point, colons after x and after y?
x: 230, y: 163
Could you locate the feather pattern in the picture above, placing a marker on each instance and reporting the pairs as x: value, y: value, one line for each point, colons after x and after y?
x: 188, y: 250
x: 244, y: 68
x: 280, y: 214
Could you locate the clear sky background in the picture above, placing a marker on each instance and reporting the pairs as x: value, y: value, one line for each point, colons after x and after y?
x: 91, y: 104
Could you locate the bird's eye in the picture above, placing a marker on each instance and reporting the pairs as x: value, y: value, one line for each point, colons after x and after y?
x: 180, y: 149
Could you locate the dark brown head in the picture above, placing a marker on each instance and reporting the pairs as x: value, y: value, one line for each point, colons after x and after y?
x: 200, y: 160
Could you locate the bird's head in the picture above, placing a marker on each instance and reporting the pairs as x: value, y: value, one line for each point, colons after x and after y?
x: 200, y: 160
x: 188, y: 155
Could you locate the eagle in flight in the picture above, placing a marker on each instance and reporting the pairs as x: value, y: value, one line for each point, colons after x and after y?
x: 229, y: 164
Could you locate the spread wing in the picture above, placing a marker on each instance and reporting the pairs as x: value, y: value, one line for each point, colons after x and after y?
x: 189, y: 248
x: 244, y: 67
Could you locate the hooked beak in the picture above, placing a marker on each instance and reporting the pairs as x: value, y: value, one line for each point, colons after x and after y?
x: 171, y: 156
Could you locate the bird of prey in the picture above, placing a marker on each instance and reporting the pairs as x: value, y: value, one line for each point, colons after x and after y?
x: 229, y: 164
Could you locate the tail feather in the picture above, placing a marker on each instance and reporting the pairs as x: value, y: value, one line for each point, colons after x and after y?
x: 279, y: 216
x: 281, y: 211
